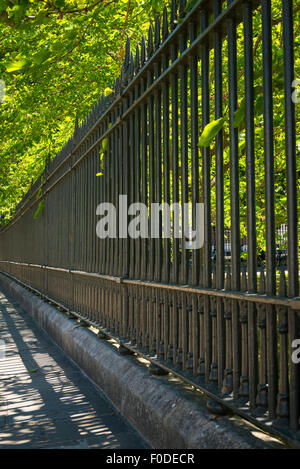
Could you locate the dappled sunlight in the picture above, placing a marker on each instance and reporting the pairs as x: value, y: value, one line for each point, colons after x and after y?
x: 46, y: 402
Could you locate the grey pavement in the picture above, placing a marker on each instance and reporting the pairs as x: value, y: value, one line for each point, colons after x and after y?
x: 45, y: 400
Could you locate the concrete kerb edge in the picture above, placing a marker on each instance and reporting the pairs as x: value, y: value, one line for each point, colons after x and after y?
x: 166, y: 414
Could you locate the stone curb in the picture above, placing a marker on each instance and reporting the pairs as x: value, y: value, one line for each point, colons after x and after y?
x: 166, y: 413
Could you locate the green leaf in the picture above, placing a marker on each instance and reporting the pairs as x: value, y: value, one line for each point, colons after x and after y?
x: 107, y: 92
x: 210, y: 131
x: 39, y: 210
x: 38, y: 195
x: 17, y: 65
x: 104, y: 145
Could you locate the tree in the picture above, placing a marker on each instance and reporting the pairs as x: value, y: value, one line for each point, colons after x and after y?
x: 56, y: 58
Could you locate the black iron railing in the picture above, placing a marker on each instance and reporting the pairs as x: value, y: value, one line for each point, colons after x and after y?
x: 223, y: 321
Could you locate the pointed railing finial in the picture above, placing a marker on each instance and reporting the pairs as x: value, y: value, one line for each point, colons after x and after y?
x: 118, y: 84
x: 143, y: 50
x: 127, y: 54
x: 131, y: 67
x: 76, y: 124
x: 150, y: 42
x: 165, y: 26
x: 123, y: 76
x: 157, y: 33
x: 137, y: 59
x: 102, y: 103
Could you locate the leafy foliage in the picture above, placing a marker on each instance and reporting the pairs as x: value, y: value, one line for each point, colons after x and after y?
x: 56, y: 58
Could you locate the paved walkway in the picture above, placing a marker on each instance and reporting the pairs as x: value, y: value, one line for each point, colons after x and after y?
x: 45, y: 400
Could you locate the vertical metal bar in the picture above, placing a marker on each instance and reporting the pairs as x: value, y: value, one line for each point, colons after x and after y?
x: 107, y: 195
x: 91, y: 179
x: 134, y: 316
x: 129, y: 334
x: 184, y: 326
x: 206, y: 154
x: 116, y: 270
x: 220, y: 272
x: 147, y: 321
x: 143, y: 317
x: 158, y: 175
x: 152, y: 318
x: 251, y: 212
x: 94, y: 203
x: 175, y: 186
x: 234, y: 165
x: 79, y: 249
x: 158, y: 322
x: 214, y: 341
x: 269, y: 205
x: 166, y: 167
x: 86, y: 215
x: 194, y: 150
x: 201, y: 336
x: 131, y: 187
x: 125, y: 171
x: 262, y: 388
x: 112, y: 193
x: 102, y: 181
x: 138, y: 317
x: 144, y: 178
x: 110, y: 197
x: 244, y: 379
x: 228, y: 373
x: 282, y: 410
x: 234, y: 197
x: 195, y: 334
x: 174, y: 326
x: 166, y: 325
x: 206, y: 196
x: 137, y: 131
x: 152, y: 184
x: 290, y: 146
x: 121, y: 192
x: 268, y: 146
x: 184, y: 160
